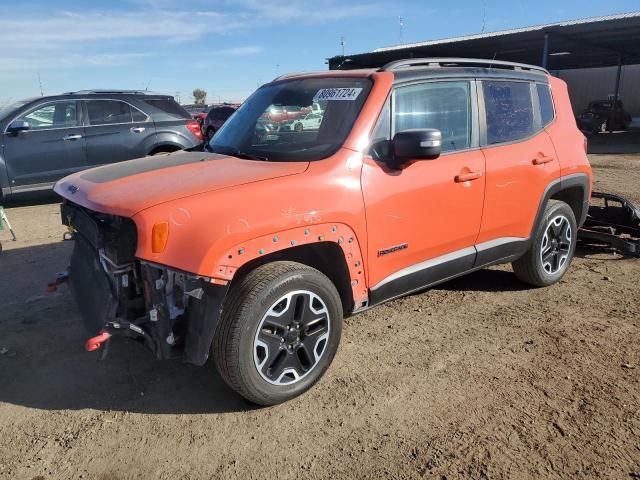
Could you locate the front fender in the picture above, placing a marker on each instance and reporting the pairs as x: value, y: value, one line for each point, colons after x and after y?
x: 227, y: 264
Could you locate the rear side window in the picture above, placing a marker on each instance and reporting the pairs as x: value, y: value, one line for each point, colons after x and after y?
x: 445, y: 106
x: 509, y: 111
x: 108, y: 112
x: 169, y: 106
x: 546, y: 104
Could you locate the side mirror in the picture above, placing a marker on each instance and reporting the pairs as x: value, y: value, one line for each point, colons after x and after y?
x: 416, y: 144
x: 18, y: 126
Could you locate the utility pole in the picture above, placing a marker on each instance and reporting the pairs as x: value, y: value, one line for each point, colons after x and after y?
x: 342, y: 45
x: 401, y: 21
x: 40, y: 83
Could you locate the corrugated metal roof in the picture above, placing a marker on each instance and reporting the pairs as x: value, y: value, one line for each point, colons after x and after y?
x: 534, y: 28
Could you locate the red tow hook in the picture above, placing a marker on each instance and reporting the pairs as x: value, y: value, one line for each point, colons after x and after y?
x: 94, y: 343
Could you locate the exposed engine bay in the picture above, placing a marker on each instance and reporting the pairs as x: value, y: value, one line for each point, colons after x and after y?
x: 118, y: 294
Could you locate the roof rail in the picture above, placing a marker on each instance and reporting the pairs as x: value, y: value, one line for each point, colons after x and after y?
x: 458, y: 62
x: 110, y: 91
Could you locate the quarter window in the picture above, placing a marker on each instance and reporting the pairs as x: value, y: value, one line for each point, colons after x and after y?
x: 445, y: 106
x: 107, y: 112
x: 509, y: 111
x: 53, y: 115
x: 546, y: 104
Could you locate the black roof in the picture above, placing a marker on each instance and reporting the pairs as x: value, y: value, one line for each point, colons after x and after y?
x: 582, y: 43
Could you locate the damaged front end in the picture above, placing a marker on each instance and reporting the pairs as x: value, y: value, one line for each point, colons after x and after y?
x: 172, y: 313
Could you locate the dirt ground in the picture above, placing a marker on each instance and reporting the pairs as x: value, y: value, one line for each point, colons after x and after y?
x: 482, y: 377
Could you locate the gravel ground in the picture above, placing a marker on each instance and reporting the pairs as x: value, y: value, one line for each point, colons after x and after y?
x: 482, y: 377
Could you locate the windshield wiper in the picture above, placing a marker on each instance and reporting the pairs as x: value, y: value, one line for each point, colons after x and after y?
x: 239, y: 153
x: 248, y: 156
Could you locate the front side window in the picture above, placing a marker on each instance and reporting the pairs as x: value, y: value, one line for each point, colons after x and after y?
x: 445, y: 106
x: 108, y: 112
x: 270, y: 124
x: 509, y: 111
x: 546, y: 104
x: 53, y: 115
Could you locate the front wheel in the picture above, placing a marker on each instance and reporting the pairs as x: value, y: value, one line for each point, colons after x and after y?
x: 552, y: 248
x: 278, y: 333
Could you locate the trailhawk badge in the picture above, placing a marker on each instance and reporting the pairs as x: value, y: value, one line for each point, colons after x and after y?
x: 395, y: 248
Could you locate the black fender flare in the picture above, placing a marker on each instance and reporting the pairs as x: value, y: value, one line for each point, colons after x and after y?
x: 580, y: 180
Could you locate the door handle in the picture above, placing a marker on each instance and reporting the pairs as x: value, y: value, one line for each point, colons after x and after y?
x: 467, y: 177
x: 541, y: 160
x: 72, y: 137
x: 137, y: 129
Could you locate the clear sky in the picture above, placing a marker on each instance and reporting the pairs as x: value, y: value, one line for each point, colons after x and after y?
x: 228, y: 47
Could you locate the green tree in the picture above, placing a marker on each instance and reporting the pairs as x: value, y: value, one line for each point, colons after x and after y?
x: 200, y: 96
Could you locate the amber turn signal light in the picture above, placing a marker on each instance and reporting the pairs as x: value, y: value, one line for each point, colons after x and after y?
x: 159, y: 237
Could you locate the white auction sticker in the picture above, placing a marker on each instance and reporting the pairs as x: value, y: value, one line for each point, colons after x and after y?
x: 325, y: 94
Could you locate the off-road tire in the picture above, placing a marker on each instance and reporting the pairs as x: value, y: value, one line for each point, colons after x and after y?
x: 244, y: 308
x: 529, y: 268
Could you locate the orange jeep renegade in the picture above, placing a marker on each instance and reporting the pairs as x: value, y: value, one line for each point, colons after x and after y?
x: 255, y: 248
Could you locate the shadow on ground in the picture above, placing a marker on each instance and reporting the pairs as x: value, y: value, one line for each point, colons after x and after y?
x: 486, y: 281
x: 615, y: 142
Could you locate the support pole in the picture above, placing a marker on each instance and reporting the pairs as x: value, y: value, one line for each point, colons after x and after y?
x: 545, y: 51
x: 614, y: 107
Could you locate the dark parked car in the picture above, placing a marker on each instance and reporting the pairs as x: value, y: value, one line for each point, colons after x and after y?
x: 47, y: 138
x: 596, y: 117
x: 216, y: 118
x: 198, y: 112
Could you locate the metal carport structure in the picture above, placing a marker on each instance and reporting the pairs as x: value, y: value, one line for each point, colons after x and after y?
x: 612, y: 40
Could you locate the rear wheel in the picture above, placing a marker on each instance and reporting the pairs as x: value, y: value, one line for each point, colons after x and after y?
x: 278, y: 333
x: 210, y: 133
x: 552, y: 247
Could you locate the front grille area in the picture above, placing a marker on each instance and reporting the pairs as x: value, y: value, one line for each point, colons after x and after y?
x: 117, y: 236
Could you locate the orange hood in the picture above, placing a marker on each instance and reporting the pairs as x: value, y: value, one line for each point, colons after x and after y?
x: 127, y: 188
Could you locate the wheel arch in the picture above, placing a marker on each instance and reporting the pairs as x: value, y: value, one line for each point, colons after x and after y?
x: 165, y: 147
x: 574, y: 190
x: 326, y: 257
x: 333, y: 249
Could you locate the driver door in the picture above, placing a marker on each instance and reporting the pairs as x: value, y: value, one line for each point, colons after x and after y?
x: 423, y: 219
x: 53, y: 146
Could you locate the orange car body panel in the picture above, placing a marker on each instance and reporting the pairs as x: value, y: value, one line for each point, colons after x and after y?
x: 421, y: 209
x: 569, y: 142
x: 514, y: 183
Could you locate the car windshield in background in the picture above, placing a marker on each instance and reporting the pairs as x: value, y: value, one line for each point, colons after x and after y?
x: 295, y: 120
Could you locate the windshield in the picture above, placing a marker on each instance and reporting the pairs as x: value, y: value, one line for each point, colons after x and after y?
x: 274, y: 123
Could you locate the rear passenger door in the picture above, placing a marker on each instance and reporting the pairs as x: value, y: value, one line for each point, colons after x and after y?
x: 115, y: 131
x: 521, y: 161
